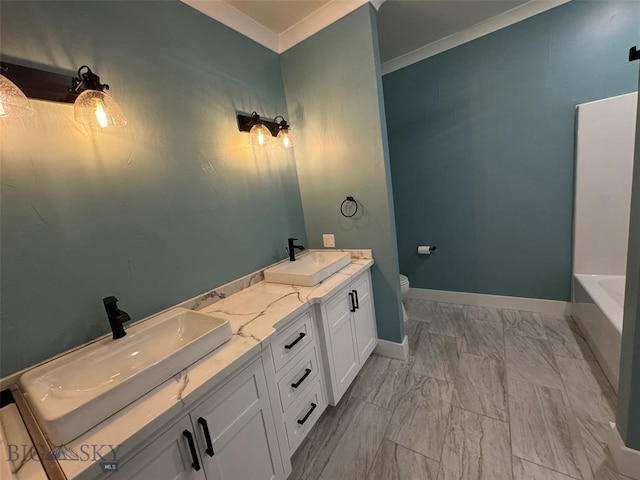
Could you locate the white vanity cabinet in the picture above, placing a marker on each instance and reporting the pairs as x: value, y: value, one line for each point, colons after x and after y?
x: 240, y: 413
x: 229, y: 436
x: 347, y: 321
x: 299, y: 378
x: 167, y: 457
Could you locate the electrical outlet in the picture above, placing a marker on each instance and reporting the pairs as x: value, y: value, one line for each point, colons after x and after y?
x: 329, y: 240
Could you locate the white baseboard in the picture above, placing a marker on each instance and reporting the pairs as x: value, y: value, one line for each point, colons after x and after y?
x: 627, y: 459
x: 393, y: 349
x: 549, y: 307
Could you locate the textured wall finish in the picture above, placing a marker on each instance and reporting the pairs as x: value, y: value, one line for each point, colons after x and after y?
x: 170, y: 206
x: 481, y: 140
x: 332, y: 83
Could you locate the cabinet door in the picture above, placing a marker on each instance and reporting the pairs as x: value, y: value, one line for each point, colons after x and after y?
x: 238, y: 424
x: 342, y: 351
x: 366, y: 338
x: 364, y: 318
x: 167, y: 457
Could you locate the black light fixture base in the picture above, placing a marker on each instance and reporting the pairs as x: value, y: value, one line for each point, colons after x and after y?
x: 634, y: 54
x: 246, y: 122
x: 40, y: 84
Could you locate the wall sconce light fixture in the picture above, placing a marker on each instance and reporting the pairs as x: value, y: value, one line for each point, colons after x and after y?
x: 261, y: 131
x: 13, y: 101
x: 284, y: 133
x: 92, y: 107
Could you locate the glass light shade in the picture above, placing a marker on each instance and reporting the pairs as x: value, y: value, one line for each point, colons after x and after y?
x: 286, y: 138
x: 13, y: 103
x: 259, y: 135
x: 97, y: 109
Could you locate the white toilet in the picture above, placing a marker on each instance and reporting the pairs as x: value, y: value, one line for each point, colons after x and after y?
x: 404, y: 289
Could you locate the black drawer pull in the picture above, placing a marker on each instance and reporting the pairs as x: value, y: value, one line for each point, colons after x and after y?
x: 207, y: 437
x: 307, y: 371
x: 192, y: 447
x: 357, y: 301
x: 353, y: 302
x: 304, y: 419
x: 293, y: 344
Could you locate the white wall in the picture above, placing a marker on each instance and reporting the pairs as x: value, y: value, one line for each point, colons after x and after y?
x: 604, y: 165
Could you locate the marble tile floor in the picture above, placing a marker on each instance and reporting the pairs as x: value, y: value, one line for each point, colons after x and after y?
x: 486, y: 394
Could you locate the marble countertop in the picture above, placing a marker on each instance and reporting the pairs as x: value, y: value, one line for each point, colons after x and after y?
x: 255, y: 311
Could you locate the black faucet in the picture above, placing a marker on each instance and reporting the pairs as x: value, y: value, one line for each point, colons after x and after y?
x: 292, y: 249
x: 116, y: 317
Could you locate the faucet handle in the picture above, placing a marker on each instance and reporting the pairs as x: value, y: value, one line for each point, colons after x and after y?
x: 108, y: 301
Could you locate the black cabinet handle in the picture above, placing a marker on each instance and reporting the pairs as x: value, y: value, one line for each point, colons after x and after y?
x: 293, y: 344
x: 357, y: 302
x: 307, y: 371
x: 192, y: 447
x: 207, y: 437
x: 304, y: 419
x: 353, y: 302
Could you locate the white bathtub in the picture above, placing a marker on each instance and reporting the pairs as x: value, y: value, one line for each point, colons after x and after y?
x: 598, y: 305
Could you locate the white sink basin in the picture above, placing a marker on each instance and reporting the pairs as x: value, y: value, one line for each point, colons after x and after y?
x: 75, y: 392
x: 309, y: 269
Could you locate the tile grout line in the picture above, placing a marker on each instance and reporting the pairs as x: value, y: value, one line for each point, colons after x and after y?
x: 506, y: 390
x: 570, y: 420
x: 504, y: 365
x: 573, y: 420
x: 412, y: 450
x: 375, y: 456
x: 335, y: 443
x: 479, y: 414
x: 424, y: 325
x: 455, y: 378
x: 547, y: 468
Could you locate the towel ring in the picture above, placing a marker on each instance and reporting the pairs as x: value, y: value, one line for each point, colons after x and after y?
x: 342, y: 205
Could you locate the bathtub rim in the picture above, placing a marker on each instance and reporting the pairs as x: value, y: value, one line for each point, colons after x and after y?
x: 602, y: 334
x: 601, y: 298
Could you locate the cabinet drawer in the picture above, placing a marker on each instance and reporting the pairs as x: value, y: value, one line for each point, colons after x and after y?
x: 292, y: 341
x: 306, y: 413
x: 296, y: 382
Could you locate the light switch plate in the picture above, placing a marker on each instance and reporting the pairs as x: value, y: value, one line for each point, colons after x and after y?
x: 329, y: 240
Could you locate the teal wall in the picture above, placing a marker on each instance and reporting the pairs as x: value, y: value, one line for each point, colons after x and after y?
x: 332, y: 83
x: 170, y: 206
x: 628, y: 414
x: 481, y: 141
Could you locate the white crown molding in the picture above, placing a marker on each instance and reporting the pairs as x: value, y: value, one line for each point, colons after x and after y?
x: 377, y: 3
x: 316, y: 21
x: 236, y: 20
x: 224, y: 13
x: 515, y: 15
